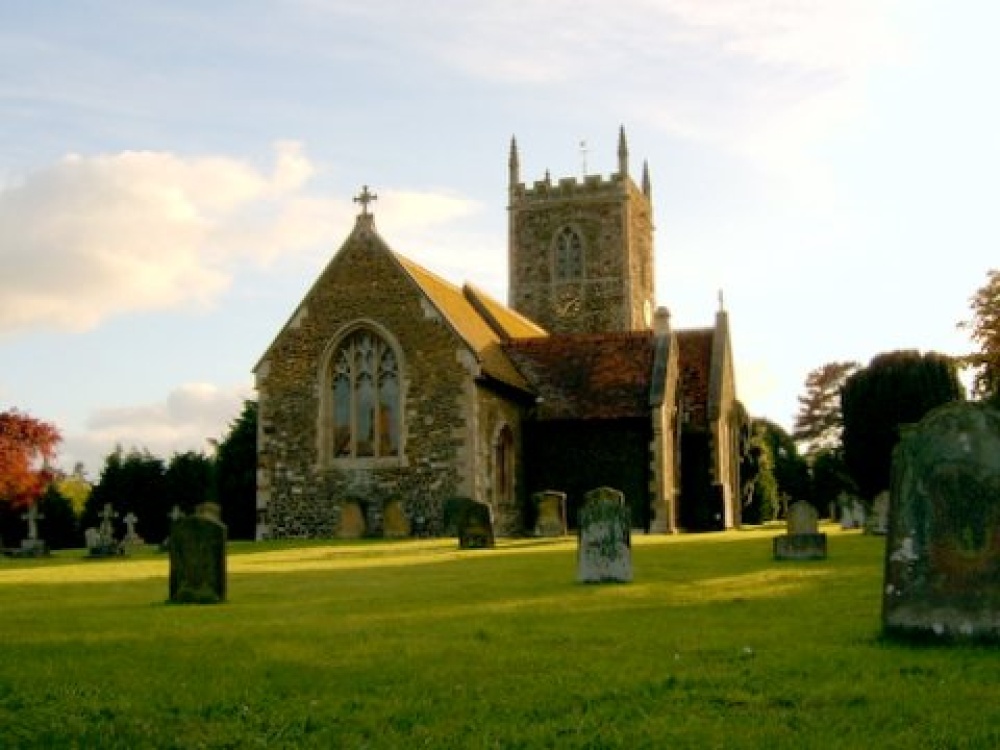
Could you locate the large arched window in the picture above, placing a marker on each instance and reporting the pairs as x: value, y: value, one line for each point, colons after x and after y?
x: 365, y: 382
x: 568, y: 254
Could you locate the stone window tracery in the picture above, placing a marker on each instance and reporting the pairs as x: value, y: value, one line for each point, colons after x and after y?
x: 365, y: 386
x: 568, y: 254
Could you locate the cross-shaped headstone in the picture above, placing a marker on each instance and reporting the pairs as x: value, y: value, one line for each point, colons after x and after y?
x: 364, y: 199
x: 130, y: 521
x: 32, y: 517
x: 176, y: 513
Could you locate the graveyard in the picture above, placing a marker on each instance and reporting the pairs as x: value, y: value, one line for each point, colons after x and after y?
x: 419, y: 643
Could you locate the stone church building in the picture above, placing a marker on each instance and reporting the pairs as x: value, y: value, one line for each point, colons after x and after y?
x: 391, y: 391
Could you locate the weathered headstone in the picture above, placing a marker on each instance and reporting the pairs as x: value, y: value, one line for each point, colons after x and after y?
x: 942, y: 564
x: 803, y: 541
x: 198, y: 559
x: 395, y: 524
x: 551, y: 513
x: 878, y: 521
x: 453, y: 511
x: 852, y: 512
x: 132, y: 537
x: 475, y: 527
x: 32, y: 546
x: 605, y: 547
x: 352, y: 521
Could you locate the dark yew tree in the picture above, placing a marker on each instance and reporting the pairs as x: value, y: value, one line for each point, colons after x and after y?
x: 759, y: 489
x: 131, y: 483
x: 819, y: 421
x: 896, y: 388
x: 236, y: 474
x: 791, y: 471
x: 830, y: 478
x: 984, y: 329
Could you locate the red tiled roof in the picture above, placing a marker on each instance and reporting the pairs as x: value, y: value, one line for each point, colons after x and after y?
x: 695, y: 365
x: 588, y: 376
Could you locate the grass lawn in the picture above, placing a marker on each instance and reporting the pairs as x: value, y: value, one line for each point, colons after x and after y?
x: 417, y: 644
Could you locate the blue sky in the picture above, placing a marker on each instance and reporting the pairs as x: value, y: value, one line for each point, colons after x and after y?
x: 175, y: 174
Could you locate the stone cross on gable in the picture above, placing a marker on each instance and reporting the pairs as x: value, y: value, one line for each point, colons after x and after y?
x: 32, y: 517
x: 130, y: 521
x: 364, y: 199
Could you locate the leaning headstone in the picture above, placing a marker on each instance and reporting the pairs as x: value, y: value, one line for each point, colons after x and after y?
x: 475, y: 527
x: 803, y: 541
x: 942, y: 558
x: 32, y: 546
x: 878, y: 521
x: 605, y: 547
x: 352, y: 521
x: 395, y: 524
x: 551, y: 513
x: 198, y: 558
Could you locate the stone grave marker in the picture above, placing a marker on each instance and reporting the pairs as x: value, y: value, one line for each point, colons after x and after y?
x: 132, y: 537
x: 104, y: 544
x: 475, y: 527
x: 32, y: 546
x: 942, y: 558
x: 878, y: 522
x: 198, y: 558
x: 395, y: 524
x: 852, y: 512
x: 454, y: 509
x: 551, y: 513
x: 352, y: 521
x: 803, y: 540
x: 175, y: 513
x: 605, y: 545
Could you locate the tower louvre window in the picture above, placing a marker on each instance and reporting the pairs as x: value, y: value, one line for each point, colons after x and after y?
x: 569, y: 254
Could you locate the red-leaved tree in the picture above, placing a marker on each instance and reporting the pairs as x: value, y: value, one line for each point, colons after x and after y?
x: 27, y: 445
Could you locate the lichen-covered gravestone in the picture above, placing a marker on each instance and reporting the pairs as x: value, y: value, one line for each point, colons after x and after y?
x: 550, y: 507
x: 352, y: 521
x: 803, y: 540
x: 605, y: 548
x: 395, y: 524
x: 198, y: 558
x: 942, y: 563
x: 475, y: 526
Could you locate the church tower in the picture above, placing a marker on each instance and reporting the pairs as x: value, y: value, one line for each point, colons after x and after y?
x: 580, y: 252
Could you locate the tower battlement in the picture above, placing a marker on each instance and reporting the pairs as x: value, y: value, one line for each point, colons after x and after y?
x: 571, y: 187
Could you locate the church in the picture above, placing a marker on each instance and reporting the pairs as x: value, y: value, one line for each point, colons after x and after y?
x: 391, y: 391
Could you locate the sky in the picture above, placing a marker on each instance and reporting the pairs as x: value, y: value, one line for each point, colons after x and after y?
x: 174, y: 176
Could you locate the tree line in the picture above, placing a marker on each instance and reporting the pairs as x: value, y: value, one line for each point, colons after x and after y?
x: 850, y: 418
x: 132, y: 481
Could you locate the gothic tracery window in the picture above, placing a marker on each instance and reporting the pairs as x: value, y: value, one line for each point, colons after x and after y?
x: 569, y: 254
x: 365, y: 383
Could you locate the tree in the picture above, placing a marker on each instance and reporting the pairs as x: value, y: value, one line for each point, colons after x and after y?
x: 27, y: 445
x: 236, y: 474
x: 984, y: 329
x: 791, y: 471
x: 830, y: 478
x: 759, y: 488
x: 131, y: 483
x: 896, y: 388
x: 819, y: 421
x: 75, y: 488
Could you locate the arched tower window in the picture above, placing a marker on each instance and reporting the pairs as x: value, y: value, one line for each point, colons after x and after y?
x: 569, y: 254
x: 364, y: 379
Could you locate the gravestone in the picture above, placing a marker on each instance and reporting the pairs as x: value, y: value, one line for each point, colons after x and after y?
x: 605, y: 543
x: 454, y: 509
x: 551, y: 513
x: 352, y: 521
x: 852, y: 512
x: 803, y: 540
x: 942, y: 558
x: 174, y: 515
x: 395, y: 524
x: 878, y: 521
x: 475, y: 526
x: 198, y: 558
x: 103, y: 544
x: 132, y: 537
x: 32, y: 546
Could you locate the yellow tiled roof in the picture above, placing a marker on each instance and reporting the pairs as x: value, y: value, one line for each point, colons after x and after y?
x: 469, y: 324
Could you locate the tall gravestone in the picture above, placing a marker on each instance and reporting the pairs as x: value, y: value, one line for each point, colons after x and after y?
x: 942, y: 560
x: 33, y: 545
x: 475, y: 526
x: 198, y: 558
x: 395, y: 524
x: 550, y: 507
x: 605, y: 547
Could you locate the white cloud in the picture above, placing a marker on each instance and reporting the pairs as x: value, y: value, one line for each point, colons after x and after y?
x: 184, y: 420
x: 92, y: 237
